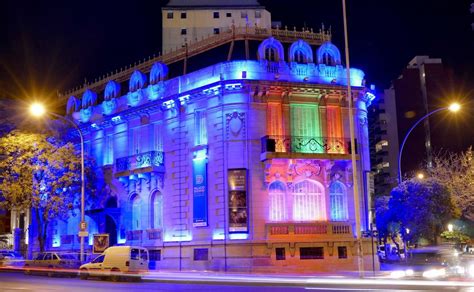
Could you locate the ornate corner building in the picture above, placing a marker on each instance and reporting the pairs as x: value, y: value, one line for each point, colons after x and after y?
x: 238, y: 165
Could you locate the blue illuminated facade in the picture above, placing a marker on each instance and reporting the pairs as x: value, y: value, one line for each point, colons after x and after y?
x: 248, y: 159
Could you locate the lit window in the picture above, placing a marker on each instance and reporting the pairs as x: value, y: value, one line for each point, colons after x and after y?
x: 170, y: 15
x: 243, y: 14
x: 184, y: 15
x: 184, y: 31
x: 216, y: 31
x: 379, y: 146
x: 136, y: 212
x: 338, y: 201
x: 308, y: 201
x: 156, y: 210
x: 258, y: 14
x: 385, y: 165
x: 216, y: 14
x: 277, y: 196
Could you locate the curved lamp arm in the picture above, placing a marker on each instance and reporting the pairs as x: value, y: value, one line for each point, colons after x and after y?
x: 406, y: 137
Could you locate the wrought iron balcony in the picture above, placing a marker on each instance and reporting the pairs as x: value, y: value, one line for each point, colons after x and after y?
x: 153, y: 159
x: 306, y: 144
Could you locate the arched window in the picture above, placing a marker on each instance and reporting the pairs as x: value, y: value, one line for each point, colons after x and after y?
x: 329, y: 54
x: 136, y: 212
x: 328, y: 60
x: 308, y: 201
x: 270, y: 54
x: 156, y: 210
x: 277, y: 196
x: 299, y: 57
x: 338, y: 201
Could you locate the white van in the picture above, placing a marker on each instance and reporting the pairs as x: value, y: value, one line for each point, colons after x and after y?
x: 117, y: 261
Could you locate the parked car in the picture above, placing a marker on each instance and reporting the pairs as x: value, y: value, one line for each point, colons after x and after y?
x: 10, y: 258
x: 116, y: 262
x: 52, y: 263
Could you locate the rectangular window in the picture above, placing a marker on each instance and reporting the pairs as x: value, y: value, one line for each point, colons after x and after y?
x: 228, y: 14
x: 216, y: 14
x: 306, y: 129
x: 200, y: 128
x: 216, y: 31
x: 109, y: 150
x: 243, y: 14
x: 334, y: 130
x: 184, y: 15
x: 201, y: 254
x: 170, y: 15
x: 280, y: 253
x: 342, y: 252
x: 258, y: 14
x: 184, y: 31
x: 311, y: 253
x: 155, y: 254
x: 134, y: 254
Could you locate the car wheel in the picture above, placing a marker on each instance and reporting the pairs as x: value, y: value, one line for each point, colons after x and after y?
x: 115, y: 277
x: 83, y: 274
x: 27, y: 270
x: 50, y: 271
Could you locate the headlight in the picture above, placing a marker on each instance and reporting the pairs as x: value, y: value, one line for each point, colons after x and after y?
x: 397, y: 274
x: 434, y: 273
x: 409, y: 272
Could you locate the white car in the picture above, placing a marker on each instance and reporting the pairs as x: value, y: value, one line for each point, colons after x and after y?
x: 116, y: 262
x: 11, y: 259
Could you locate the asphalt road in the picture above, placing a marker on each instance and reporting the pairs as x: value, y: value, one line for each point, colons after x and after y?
x: 16, y: 281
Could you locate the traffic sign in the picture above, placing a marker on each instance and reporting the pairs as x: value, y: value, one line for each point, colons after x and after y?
x: 83, y: 234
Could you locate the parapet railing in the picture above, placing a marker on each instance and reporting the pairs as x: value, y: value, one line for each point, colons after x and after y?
x: 199, y: 46
x: 305, y: 144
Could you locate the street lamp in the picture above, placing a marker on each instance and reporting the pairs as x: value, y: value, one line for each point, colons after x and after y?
x: 450, y: 227
x: 420, y: 176
x: 454, y: 107
x: 38, y: 110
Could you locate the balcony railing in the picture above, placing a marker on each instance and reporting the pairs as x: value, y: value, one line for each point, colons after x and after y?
x: 278, y: 230
x: 142, y: 160
x: 306, y: 144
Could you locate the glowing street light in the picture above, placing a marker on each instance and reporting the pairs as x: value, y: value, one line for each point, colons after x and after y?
x: 454, y: 107
x: 38, y: 110
x: 420, y: 175
x: 450, y: 227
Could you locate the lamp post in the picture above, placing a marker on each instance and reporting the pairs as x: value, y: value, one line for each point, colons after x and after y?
x: 454, y: 107
x: 38, y: 110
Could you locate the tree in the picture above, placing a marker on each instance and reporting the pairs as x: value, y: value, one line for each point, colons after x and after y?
x: 456, y: 172
x: 40, y: 173
x: 422, y: 206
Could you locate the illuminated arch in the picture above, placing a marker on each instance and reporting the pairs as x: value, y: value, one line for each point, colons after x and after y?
x: 271, y: 50
x: 338, y: 201
x: 137, y: 81
x: 89, y: 98
x: 158, y: 72
x: 309, y: 201
x: 73, y: 105
x: 112, y: 90
x: 301, y: 52
x: 277, y: 198
x: 329, y: 54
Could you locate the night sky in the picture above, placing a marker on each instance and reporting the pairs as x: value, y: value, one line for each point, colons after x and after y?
x: 46, y: 46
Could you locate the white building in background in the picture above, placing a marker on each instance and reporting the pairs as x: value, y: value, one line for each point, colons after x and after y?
x: 188, y: 21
